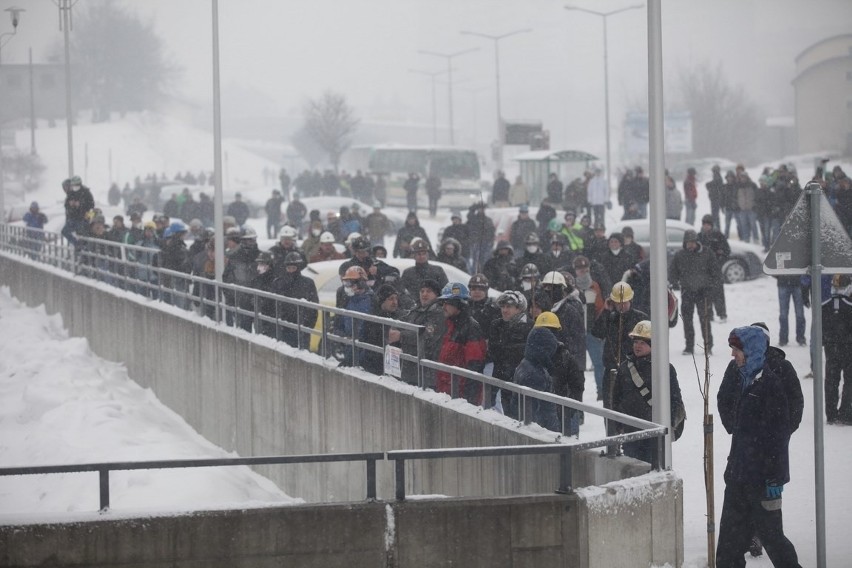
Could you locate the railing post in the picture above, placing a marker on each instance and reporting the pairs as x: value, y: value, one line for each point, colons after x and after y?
x: 104, y: 489
x: 324, y: 337
x: 565, y: 472
x: 420, y: 379
x: 299, y: 331
x: 371, y: 479
x: 399, y: 468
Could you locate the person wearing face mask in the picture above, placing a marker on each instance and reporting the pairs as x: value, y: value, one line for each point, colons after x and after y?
x: 534, y: 255
x: 78, y: 202
x: 311, y: 244
x: 265, y: 306
x: 528, y: 280
x: 564, y: 298
x: 358, y: 297
x: 286, y: 244
x: 291, y: 284
x: 616, y: 261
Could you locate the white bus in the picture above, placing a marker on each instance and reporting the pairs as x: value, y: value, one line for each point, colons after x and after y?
x: 461, y: 185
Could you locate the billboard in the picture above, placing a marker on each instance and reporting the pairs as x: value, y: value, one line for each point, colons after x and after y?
x: 521, y: 133
x: 677, y: 127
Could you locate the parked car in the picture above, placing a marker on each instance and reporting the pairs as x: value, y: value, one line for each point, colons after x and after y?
x: 745, y: 262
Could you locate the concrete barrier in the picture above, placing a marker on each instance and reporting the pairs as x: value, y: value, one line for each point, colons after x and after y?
x: 255, y: 396
x: 539, y: 531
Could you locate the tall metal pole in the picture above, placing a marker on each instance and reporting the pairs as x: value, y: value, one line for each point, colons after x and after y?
x: 32, y: 109
x: 659, y: 276
x: 496, y: 39
x: 15, y: 13
x: 65, y: 10
x: 219, y: 237
x: 606, y: 108
x: 604, y: 16
x: 815, y: 192
x: 449, y: 57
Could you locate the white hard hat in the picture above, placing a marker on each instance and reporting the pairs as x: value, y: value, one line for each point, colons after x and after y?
x: 287, y: 232
x: 352, y: 236
x: 326, y: 237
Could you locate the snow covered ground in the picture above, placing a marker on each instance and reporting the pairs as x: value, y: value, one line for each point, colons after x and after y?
x: 61, y: 404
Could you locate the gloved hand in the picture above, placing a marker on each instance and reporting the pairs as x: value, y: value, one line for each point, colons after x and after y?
x: 773, y: 489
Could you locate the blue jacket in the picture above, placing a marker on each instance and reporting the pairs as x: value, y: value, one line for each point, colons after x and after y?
x: 761, y: 417
x: 532, y: 373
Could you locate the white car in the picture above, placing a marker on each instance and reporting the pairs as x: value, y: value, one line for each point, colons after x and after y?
x: 332, y: 204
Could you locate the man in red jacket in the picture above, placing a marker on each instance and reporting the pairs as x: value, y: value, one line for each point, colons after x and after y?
x: 463, y: 344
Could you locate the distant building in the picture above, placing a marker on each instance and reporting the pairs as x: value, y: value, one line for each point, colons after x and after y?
x: 48, y: 91
x: 823, y: 86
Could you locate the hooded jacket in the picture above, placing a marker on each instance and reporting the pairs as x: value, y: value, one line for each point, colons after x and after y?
x: 757, y: 414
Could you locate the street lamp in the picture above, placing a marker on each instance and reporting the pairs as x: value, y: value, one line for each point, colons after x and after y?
x: 432, y: 75
x: 5, y: 38
x: 604, y: 16
x: 449, y: 57
x: 496, y: 39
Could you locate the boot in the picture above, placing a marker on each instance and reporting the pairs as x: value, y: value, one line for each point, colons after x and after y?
x: 756, y: 547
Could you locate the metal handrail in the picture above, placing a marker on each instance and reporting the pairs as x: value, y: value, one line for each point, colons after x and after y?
x: 67, y: 257
x: 105, y: 468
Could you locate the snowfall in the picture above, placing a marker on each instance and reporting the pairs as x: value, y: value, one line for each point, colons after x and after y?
x: 62, y: 404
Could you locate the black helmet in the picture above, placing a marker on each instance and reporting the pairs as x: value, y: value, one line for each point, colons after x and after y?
x: 532, y: 239
x: 294, y: 259
x: 707, y: 220
x: 530, y: 271
x: 264, y: 258
x: 360, y: 243
x: 478, y: 281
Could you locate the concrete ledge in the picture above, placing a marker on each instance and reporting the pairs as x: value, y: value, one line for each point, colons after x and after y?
x: 612, y: 528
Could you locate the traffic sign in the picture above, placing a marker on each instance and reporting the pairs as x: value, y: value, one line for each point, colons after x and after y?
x: 791, y: 251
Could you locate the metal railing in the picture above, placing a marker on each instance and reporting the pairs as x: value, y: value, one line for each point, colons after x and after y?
x: 104, y: 469
x: 133, y: 269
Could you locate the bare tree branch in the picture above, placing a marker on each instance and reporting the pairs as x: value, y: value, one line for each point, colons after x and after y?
x: 330, y: 123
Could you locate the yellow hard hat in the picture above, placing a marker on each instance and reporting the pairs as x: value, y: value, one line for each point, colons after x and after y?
x: 548, y: 319
x: 641, y: 330
x: 621, y: 292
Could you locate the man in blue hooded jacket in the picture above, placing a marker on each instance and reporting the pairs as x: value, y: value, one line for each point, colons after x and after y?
x: 758, y: 463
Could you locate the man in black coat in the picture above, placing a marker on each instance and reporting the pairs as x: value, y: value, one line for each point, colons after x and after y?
x: 413, y: 276
x: 458, y: 231
x: 238, y: 210
x: 291, y: 284
x: 507, y: 338
x: 837, y: 342
x: 385, y: 305
x: 500, y: 190
x: 695, y: 270
x: 754, y: 408
x: 78, y: 202
x: 713, y: 239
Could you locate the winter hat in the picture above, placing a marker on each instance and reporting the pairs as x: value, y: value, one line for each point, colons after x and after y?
x: 627, y: 232
x: 541, y: 345
x: 384, y: 292
x: 707, y: 220
x: 432, y: 285
x: 34, y: 205
x: 617, y: 236
x: 751, y: 340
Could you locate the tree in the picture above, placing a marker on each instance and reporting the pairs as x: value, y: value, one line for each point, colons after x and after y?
x: 725, y: 121
x: 330, y: 122
x: 118, y: 62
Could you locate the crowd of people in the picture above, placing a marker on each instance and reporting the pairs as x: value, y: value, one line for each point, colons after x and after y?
x: 567, y: 291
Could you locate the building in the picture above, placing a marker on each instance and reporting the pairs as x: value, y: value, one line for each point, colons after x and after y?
x: 823, y: 87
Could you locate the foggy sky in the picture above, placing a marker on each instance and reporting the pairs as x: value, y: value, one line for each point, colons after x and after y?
x: 276, y: 53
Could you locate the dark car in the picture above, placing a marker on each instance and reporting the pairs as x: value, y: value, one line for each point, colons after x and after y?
x: 745, y: 262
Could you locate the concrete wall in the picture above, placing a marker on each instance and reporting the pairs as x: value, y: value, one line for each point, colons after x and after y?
x: 540, y: 531
x: 257, y: 397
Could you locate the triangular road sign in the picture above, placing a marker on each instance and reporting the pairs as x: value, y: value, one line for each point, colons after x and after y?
x: 791, y: 251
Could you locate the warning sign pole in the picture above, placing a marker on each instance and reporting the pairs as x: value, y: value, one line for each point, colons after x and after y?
x: 815, y: 194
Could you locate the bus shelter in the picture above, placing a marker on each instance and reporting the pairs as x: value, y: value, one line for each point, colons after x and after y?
x: 536, y: 167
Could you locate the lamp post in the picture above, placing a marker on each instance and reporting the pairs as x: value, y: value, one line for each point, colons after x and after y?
x: 449, y: 57
x: 432, y: 75
x: 604, y: 16
x: 5, y: 38
x: 496, y: 39
x: 65, y: 25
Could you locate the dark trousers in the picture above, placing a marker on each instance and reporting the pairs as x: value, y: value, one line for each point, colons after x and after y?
x: 701, y: 300
x: 746, y: 512
x: 838, y: 365
x: 717, y: 294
